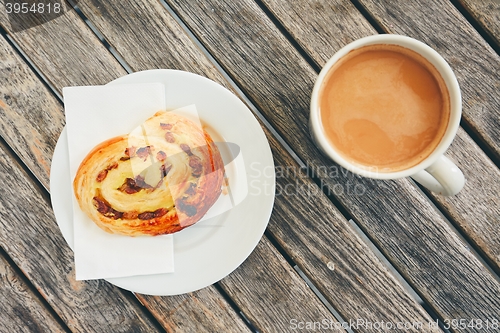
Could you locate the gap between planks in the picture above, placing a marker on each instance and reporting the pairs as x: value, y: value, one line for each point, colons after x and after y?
x: 471, y: 246
x: 437, y: 212
x: 398, y: 275
x: 371, y: 19
x: 100, y: 36
x: 308, y: 281
x: 496, y: 47
x: 30, y: 64
x: 285, y: 145
x: 469, y: 129
x: 462, y: 8
x: 232, y: 83
x: 235, y: 307
x: 465, y: 239
x: 129, y: 70
x: 44, y: 193
x: 38, y: 185
x: 288, y: 36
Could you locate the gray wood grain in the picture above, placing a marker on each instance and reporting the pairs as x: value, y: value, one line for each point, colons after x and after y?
x: 335, y: 259
x: 30, y: 121
x: 487, y: 14
x: 195, y: 312
x: 256, y: 282
x: 368, y: 301
x: 152, y: 40
x: 20, y: 309
x: 322, y: 28
x: 395, y: 214
x: 476, y: 209
x: 440, y: 25
x: 31, y: 134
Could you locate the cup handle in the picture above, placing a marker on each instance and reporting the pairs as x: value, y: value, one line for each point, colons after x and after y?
x: 442, y: 177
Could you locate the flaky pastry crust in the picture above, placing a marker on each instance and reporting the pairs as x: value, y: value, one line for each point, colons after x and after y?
x: 159, y: 179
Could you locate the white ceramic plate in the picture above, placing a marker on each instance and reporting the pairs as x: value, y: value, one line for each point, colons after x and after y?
x: 209, y: 250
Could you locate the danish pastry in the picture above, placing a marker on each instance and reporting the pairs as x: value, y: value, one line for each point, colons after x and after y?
x: 159, y: 179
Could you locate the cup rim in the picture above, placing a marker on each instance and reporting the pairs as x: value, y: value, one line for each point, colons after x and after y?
x: 435, y: 59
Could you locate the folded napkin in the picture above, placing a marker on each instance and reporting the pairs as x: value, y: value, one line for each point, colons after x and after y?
x: 95, y: 114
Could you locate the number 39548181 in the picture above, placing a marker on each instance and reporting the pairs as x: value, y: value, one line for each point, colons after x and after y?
x: 32, y: 8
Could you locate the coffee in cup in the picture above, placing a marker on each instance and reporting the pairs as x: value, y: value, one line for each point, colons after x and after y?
x: 384, y: 107
x: 388, y: 107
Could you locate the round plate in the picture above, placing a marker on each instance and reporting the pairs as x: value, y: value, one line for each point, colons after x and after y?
x: 211, y: 249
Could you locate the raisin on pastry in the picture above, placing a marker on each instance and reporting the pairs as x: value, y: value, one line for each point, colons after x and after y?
x: 159, y: 179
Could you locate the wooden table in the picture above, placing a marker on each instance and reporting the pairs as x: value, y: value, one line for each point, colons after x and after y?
x: 394, y: 253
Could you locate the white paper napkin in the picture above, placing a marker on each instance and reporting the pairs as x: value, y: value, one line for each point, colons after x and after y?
x: 95, y: 114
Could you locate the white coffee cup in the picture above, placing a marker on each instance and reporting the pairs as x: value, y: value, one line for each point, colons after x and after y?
x: 436, y: 172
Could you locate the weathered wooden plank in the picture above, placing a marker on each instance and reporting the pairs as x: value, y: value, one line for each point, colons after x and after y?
x: 159, y: 41
x: 487, y: 14
x: 265, y: 278
x: 476, y: 209
x: 27, y: 109
x: 320, y: 27
x: 395, y: 214
x: 367, y: 302
x: 440, y: 25
x: 232, y: 320
x: 30, y: 121
x: 20, y: 309
x: 195, y: 312
x: 74, y: 43
x: 30, y: 235
x: 326, y: 26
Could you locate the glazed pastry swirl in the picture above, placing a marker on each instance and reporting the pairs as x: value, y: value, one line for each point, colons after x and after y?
x: 159, y: 179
